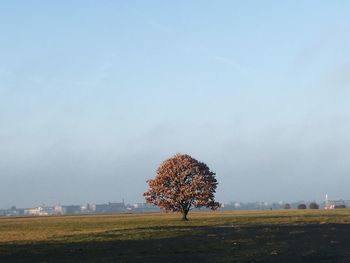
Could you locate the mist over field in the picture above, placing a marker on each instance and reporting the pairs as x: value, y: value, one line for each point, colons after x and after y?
x: 95, y: 95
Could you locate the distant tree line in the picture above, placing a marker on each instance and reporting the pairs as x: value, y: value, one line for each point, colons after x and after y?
x: 312, y: 205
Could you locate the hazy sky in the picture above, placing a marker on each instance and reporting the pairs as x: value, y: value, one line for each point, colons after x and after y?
x: 94, y: 95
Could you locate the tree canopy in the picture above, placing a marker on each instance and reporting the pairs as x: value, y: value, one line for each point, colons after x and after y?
x: 286, y: 206
x: 314, y: 205
x: 182, y: 183
x: 301, y: 206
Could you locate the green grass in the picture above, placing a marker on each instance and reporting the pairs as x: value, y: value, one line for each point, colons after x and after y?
x: 254, y: 236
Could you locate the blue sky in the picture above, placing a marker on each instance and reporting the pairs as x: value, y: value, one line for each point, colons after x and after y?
x: 94, y: 95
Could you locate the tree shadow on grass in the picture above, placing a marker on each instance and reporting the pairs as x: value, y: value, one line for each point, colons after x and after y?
x: 253, y: 243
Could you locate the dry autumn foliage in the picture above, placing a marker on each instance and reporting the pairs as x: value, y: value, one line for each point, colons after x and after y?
x: 182, y: 183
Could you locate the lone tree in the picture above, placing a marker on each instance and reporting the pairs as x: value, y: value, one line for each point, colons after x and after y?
x: 314, y: 205
x: 182, y: 183
x: 286, y: 206
x: 301, y: 206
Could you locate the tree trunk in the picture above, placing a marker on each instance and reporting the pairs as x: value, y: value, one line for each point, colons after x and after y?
x: 184, y: 215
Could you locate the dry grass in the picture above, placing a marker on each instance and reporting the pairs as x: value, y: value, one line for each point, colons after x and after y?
x: 34, y: 229
x: 240, y: 236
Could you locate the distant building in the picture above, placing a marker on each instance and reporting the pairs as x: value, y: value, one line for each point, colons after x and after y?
x: 13, y: 211
x: 88, y: 208
x: 110, y: 208
x: 58, y: 210
x: 250, y: 206
x: 30, y: 211
x: 36, y: 211
x: 91, y: 207
x: 142, y: 207
x: 334, y: 204
x: 71, y: 209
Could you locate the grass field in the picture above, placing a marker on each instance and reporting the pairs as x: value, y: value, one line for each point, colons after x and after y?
x: 259, y: 236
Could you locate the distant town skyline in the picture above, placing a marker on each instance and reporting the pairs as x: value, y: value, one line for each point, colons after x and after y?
x: 95, y: 95
x: 122, y: 207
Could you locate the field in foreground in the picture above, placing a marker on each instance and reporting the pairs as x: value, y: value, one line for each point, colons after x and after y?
x: 259, y: 236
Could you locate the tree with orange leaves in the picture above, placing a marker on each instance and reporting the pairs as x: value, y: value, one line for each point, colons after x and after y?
x: 182, y: 183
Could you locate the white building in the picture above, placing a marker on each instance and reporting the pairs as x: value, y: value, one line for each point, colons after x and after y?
x: 37, y: 211
x: 333, y: 204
